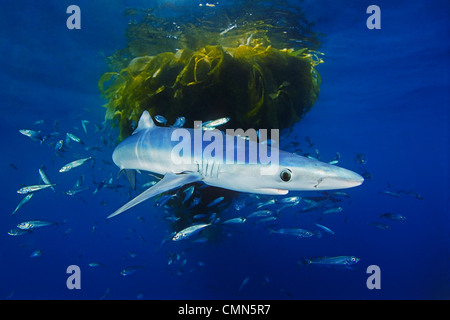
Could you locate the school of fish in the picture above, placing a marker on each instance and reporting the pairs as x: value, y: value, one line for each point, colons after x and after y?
x: 75, y: 158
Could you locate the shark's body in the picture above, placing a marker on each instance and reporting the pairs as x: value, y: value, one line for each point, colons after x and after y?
x: 150, y: 148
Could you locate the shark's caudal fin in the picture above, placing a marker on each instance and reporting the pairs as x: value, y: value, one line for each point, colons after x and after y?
x: 169, y: 182
x: 145, y: 122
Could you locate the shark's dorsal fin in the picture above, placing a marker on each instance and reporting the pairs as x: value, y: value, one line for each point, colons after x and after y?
x: 145, y: 122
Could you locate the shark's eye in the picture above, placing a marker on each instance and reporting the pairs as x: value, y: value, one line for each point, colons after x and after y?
x: 286, y: 175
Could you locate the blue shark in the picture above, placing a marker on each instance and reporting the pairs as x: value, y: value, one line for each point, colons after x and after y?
x: 151, y: 148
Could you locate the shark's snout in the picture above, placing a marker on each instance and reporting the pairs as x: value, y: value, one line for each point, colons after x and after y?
x: 340, y: 179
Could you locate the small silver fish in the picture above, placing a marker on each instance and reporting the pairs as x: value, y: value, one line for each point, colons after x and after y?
x: 161, y: 119
x: 105, y: 295
x: 73, y: 192
x: 336, y: 261
x: 45, y: 179
x: 228, y: 29
x: 96, y: 264
x: 29, y: 189
x: 83, y: 124
x: 413, y: 194
x: 360, y: 158
x: 268, y: 219
x: 212, y: 218
x: 294, y: 199
x: 393, y: 216
x: 244, y: 282
x: 189, y: 231
x: 18, y: 232
x: 200, y: 240
x: 200, y: 216
x: 179, y: 123
x: 74, y: 164
x: 336, y: 158
x: 211, y: 125
x: 380, y: 226
x: 163, y: 200
x: 24, y: 200
x: 311, y: 157
x: 239, y: 204
x: 195, y: 201
x: 74, y: 138
x: 390, y: 193
x: 214, y: 202
x: 130, y: 270
x: 265, y: 203
x: 316, y: 151
x: 189, y: 191
x: 34, y: 135
x: 311, y: 205
x: 79, y: 182
x: 33, y: 224
x: 171, y: 218
x: 340, y: 194
x: 59, y: 145
x: 308, y: 139
x: 301, y: 233
x: 148, y: 184
x: 235, y: 220
x: 260, y: 213
x: 324, y: 228
x: 36, y: 253
x: 333, y: 210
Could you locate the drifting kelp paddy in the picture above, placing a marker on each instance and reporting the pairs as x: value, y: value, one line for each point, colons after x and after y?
x: 256, y: 68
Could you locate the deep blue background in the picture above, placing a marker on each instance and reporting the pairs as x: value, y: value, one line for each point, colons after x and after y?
x: 384, y: 93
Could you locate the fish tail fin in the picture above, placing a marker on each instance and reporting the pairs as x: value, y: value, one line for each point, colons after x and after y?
x: 304, y: 261
x: 348, y: 267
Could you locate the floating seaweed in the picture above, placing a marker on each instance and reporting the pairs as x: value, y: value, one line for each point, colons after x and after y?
x: 250, y: 68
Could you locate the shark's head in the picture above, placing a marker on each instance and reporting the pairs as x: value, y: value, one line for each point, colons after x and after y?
x: 300, y: 173
x: 293, y: 173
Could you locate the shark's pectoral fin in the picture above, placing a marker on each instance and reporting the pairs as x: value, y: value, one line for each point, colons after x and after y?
x: 169, y: 182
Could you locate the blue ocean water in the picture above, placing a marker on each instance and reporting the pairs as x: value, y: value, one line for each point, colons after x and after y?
x: 384, y: 94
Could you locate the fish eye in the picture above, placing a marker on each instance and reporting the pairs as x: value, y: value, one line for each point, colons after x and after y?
x: 286, y: 175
